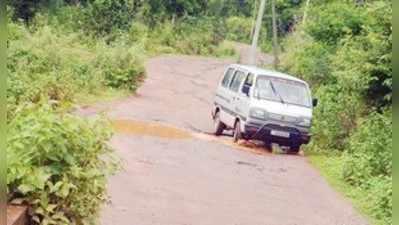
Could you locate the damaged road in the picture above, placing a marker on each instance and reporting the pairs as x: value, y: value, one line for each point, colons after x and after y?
x: 177, y: 174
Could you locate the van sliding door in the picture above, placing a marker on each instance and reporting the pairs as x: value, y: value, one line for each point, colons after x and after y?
x: 234, y: 95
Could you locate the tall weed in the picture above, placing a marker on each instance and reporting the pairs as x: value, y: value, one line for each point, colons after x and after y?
x: 58, y: 164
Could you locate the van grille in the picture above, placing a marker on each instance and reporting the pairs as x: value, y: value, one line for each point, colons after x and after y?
x: 283, y: 118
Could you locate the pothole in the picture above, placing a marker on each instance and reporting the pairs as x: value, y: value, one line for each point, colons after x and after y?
x: 156, y: 129
x: 141, y: 128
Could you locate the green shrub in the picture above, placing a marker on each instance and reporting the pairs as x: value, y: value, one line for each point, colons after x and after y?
x: 106, y: 16
x: 334, y: 118
x: 48, y: 64
x: 369, y: 153
x: 138, y: 32
x: 121, y: 67
x: 225, y: 48
x: 308, y: 59
x: 380, y: 189
x: 39, y: 72
x: 162, y: 35
x: 368, y: 162
x: 330, y: 24
x: 238, y: 28
x: 59, y: 165
x: 196, y: 36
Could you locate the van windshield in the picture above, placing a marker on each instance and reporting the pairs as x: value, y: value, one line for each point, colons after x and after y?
x: 282, y: 90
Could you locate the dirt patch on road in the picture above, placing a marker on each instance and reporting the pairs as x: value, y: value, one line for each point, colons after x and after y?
x: 150, y: 129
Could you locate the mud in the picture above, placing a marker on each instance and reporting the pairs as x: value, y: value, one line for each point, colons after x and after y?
x: 142, y: 128
x: 155, y: 129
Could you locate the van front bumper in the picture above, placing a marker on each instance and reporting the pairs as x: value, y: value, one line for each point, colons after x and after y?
x: 262, y: 131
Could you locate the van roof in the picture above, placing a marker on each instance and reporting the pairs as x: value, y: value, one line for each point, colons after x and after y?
x: 261, y: 71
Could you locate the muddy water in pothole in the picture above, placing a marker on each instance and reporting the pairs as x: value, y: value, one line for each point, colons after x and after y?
x: 142, y: 128
x: 242, y: 145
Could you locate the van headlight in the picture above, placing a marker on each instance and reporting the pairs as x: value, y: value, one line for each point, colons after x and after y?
x: 305, y: 122
x: 258, y: 113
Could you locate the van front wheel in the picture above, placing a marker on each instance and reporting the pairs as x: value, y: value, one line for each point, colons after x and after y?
x: 219, y: 125
x: 294, y: 149
x: 237, y: 132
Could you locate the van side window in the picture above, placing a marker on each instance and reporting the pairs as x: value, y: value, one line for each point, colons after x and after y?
x: 249, y: 81
x: 227, y: 77
x: 237, y: 80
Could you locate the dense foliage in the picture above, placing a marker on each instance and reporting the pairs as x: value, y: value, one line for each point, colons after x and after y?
x: 45, y: 63
x: 344, y: 50
x: 368, y: 162
x: 58, y: 164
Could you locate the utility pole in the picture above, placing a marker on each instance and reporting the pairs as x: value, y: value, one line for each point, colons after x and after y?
x: 305, y: 13
x: 255, y: 38
x: 275, y: 43
x: 253, y: 21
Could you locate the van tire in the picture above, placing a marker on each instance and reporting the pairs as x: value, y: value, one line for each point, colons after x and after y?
x: 219, y: 125
x: 237, y: 135
x: 294, y: 149
x: 268, y: 146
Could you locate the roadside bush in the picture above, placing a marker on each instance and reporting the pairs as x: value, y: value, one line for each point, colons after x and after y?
x: 225, y: 48
x: 59, y: 165
x: 121, y: 67
x: 138, y: 33
x: 363, y: 65
x: 106, y: 16
x: 380, y: 189
x: 197, y: 36
x: 162, y: 35
x: 47, y: 64
x: 39, y: 66
x: 349, y: 73
x: 330, y: 24
x: 238, y: 28
x: 307, y: 59
x: 334, y: 118
x: 368, y: 162
x: 369, y: 153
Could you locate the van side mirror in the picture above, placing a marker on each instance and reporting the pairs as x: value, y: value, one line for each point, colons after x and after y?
x: 245, y: 89
x: 314, y: 102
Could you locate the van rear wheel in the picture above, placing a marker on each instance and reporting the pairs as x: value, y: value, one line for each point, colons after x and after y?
x: 237, y: 135
x: 219, y: 125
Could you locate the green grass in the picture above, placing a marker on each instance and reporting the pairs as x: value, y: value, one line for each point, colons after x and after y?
x: 330, y: 167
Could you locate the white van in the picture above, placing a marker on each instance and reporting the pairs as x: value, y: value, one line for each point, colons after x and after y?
x: 263, y: 105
